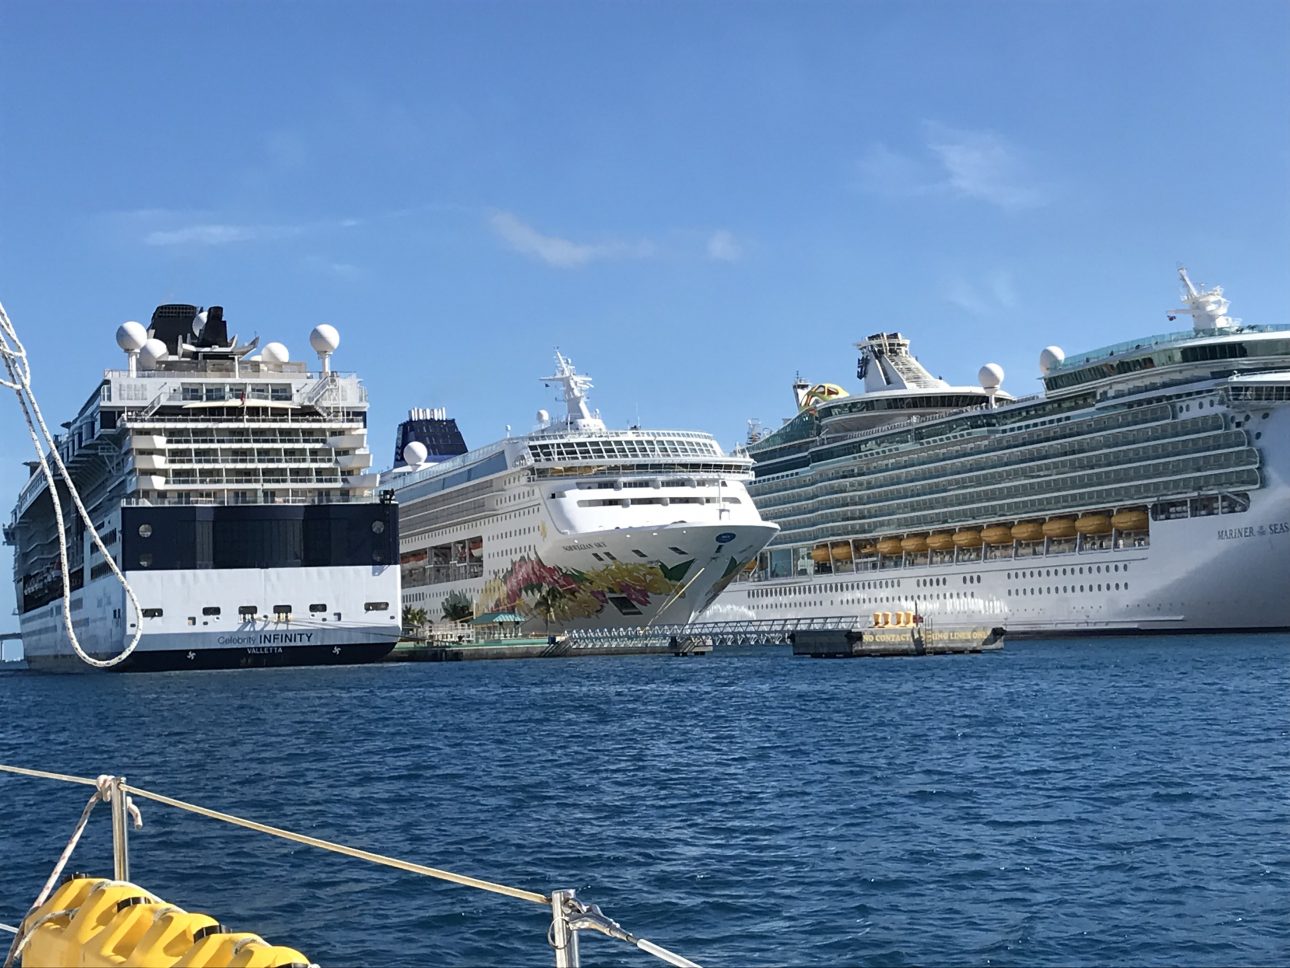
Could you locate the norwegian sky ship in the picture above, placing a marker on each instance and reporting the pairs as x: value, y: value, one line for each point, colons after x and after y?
x: 1146, y: 490
x: 235, y: 494
x: 573, y: 525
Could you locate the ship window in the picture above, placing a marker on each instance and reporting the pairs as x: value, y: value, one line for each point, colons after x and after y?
x: 676, y: 550
x: 317, y: 608
x: 152, y: 613
x: 638, y: 553
x: 145, y: 560
x: 378, y: 527
x: 210, y: 610
x: 192, y: 619
x: 375, y: 606
x: 281, y: 609
x: 247, y: 611
x: 145, y: 531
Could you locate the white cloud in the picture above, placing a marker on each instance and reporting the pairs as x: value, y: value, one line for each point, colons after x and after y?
x: 724, y: 247
x: 558, y: 252
x: 995, y: 294
x: 978, y: 165
x: 215, y: 234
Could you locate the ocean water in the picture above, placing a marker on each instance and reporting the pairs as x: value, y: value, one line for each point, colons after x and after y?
x: 1104, y: 802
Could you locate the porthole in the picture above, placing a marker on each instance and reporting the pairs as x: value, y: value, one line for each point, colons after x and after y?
x: 145, y: 531
x: 145, y: 560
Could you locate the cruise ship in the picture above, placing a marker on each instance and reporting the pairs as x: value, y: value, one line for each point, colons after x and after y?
x: 1146, y: 490
x: 573, y: 525
x: 233, y: 490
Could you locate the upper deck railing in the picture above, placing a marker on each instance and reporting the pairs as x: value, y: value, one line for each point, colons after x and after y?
x: 1163, y: 339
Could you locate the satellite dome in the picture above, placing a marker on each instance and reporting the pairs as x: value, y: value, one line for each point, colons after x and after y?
x: 415, y: 452
x: 153, y: 352
x: 324, y: 338
x: 275, y: 353
x: 991, y: 376
x: 543, y: 417
x: 131, y: 336
x: 1050, y: 358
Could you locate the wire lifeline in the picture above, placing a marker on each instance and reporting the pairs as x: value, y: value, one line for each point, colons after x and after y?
x: 367, y: 855
x: 102, y: 794
x: 19, y: 368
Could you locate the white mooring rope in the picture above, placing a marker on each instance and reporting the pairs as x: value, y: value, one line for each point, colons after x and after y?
x: 19, y: 369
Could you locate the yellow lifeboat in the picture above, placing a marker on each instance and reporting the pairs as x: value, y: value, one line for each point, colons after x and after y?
x: 841, y: 551
x: 1093, y: 524
x: 1028, y: 531
x: 820, y: 554
x: 1059, y: 528
x: 889, y: 546
x: 914, y: 543
x: 967, y: 538
x: 997, y: 534
x: 1130, y: 519
x: 751, y: 566
x: 940, y: 541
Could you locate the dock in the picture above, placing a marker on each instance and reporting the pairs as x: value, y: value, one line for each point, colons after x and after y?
x: 822, y: 637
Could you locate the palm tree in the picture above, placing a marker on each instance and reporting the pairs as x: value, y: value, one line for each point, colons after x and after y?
x: 457, y: 607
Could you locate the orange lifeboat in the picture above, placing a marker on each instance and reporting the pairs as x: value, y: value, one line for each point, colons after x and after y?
x: 889, y: 546
x: 1028, y: 531
x: 997, y: 534
x: 1059, y: 528
x: 841, y: 550
x: 820, y: 554
x: 914, y: 543
x: 940, y: 541
x: 1093, y: 524
x: 1131, y: 519
x: 751, y: 566
x: 967, y: 538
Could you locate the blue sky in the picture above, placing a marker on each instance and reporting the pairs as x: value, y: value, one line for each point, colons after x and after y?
x: 693, y: 200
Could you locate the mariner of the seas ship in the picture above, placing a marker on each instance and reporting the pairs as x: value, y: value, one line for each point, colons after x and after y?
x: 574, y: 525
x: 235, y: 494
x: 1147, y: 489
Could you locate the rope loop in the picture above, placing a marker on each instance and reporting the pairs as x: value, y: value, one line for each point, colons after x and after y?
x: 18, y: 366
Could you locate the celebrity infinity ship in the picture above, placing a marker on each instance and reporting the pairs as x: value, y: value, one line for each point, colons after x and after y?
x: 573, y: 525
x: 1147, y: 489
x: 234, y: 493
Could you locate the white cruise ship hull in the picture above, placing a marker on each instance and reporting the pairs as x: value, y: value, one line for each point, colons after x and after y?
x: 200, y: 625
x: 1221, y: 572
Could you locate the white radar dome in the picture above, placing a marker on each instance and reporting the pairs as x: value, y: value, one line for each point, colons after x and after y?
x: 275, y: 353
x: 153, y: 352
x: 543, y: 417
x: 324, y: 338
x: 131, y: 336
x: 991, y: 376
x: 1050, y: 357
x: 415, y: 453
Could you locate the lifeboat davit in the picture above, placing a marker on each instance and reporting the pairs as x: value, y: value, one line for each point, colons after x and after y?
x: 889, y: 546
x: 869, y: 548
x: 841, y: 551
x: 1093, y: 524
x: 1059, y: 528
x: 968, y: 538
x: 997, y: 534
x: 914, y: 543
x: 1028, y: 531
x: 1132, y: 519
x: 820, y: 554
x: 940, y: 541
